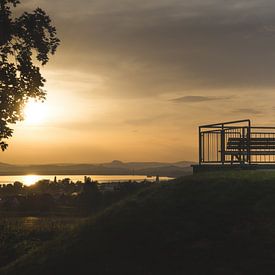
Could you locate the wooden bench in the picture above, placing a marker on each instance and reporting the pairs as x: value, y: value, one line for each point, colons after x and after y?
x: 238, y: 147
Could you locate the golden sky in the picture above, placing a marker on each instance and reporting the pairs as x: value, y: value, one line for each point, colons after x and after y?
x: 132, y: 80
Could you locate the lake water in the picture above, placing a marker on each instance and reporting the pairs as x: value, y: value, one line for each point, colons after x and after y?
x: 31, y: 179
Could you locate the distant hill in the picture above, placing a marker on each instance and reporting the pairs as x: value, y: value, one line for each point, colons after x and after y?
x: 115, y: 167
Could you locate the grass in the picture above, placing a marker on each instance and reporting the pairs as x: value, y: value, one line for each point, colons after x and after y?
x: 20, y: 235
x: 218, y: 223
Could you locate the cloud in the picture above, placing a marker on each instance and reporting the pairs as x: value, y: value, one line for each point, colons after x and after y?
x: 197, y: 99
x: 149, y: 48
x: 146, y: 120
x: 248, y: 111
x: 146, y: 48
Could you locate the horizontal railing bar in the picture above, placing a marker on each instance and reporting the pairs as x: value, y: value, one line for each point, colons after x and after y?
x: 224, y: 129
x: 272, y: 147
x: 237, y: 139
x: 235, y: 133
x: 210, y: 131
x: 236, y: 161
x: 252, y: 141
x: 255, y: 143
x: 262, y: 161
x: 262, y: 127
x: 219, y: 162
x: 227, y: 128
x: 225, y: 123
x: 251, y: 153
x: 262, y: 133
x: 255, y: 147
x: 211, y: 161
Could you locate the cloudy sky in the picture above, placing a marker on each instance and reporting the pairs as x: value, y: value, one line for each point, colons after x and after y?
x: 132, y: 80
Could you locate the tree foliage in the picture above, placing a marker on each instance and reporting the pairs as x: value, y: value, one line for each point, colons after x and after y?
x: 25, y: 43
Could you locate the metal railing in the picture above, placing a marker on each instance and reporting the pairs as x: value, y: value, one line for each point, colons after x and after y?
x: 236, y: 142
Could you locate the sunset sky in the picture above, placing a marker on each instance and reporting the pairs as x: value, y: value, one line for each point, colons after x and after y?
x: 132, y: 80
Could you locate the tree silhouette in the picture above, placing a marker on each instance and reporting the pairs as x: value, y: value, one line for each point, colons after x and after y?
x: 25, y: 43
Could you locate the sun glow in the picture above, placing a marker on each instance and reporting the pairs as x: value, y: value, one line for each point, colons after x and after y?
x: 30, y: 179
x: 35, y: 112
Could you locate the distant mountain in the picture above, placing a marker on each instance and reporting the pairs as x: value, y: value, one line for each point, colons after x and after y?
x: 115, y: 167
x: 3, y: 164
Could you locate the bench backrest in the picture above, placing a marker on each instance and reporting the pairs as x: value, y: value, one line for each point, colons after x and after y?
x: 254, y: 143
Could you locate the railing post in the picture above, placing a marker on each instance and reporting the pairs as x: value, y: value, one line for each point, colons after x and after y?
x: 200, y: 146
x: 222, y: 146
x: 244, y: 148
x: 248, y: 142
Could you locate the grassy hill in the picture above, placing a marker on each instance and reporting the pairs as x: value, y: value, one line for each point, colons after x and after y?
x: 219, y: 223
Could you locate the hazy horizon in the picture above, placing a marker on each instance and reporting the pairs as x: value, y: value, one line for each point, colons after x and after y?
x: 92, y: 163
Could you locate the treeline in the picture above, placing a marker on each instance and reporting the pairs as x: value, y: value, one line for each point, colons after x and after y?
x: 64, y: 195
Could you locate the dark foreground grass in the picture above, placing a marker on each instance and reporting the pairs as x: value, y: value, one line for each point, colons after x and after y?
x: 20, y: 235
x: 219, y: 223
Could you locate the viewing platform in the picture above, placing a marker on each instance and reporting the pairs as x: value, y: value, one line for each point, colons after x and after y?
x: 235, y: 145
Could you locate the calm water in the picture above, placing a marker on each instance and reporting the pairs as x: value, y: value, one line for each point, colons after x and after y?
x: 31, y: 179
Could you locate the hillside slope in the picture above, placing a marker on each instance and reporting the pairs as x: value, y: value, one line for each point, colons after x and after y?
x: 208, y: 224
